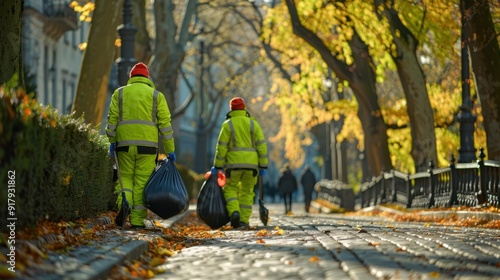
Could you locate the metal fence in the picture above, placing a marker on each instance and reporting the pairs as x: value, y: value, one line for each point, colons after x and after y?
x: 468, y: 184
x: 336, y: 192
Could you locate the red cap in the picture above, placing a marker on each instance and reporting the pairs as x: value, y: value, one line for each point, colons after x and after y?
x: 140, y: 69
x: 237, y: 103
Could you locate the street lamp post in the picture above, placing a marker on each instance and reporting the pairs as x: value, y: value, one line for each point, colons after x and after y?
x: 466, y: 152
x: 328, y: 156
x: 340, y: 147
x: 127, y: 35
x: 328, y: 167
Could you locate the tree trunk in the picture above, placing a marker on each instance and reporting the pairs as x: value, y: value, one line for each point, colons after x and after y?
x: 169, y: 51
x: 485, y: 57
x: 361, y: 78
x: 10, y: 40
x: 169, y: 48
x: 412, y: 79
x: 362, y: 82
x: 143, y: 51
x: 97, y: 60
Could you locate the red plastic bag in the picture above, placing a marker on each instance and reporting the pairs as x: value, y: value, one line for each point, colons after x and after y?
x: 221, y: 178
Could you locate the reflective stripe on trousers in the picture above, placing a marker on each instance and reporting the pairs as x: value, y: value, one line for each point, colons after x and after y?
x: 135, y: 170
x: 239, y: 193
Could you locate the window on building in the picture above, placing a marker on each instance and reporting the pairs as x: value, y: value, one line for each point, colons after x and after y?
x: 53, y: 71
x: 82, y: 33
x: 45, y: 75
x: 73, y: 38
x: 64, y: 98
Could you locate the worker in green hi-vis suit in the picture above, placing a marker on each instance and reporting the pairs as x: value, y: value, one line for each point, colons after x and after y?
x: 138, y: 117
x: 242, y: 152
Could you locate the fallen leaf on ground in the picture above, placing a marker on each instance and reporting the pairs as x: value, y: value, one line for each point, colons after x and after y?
x: 262, y: 232
x: 156, y: 261
x: 434, y: 274
x: 164, y: 252
x: 313, y: 259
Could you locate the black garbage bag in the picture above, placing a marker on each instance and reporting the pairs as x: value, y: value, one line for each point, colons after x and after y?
x: 165, y: 193
x: 211, y: 204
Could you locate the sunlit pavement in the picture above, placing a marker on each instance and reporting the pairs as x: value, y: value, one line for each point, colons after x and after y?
x: 335, y: 246
x: 299, y: 246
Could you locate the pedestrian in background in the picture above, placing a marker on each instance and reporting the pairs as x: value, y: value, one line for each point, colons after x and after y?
x: 308, y: 181
x: 287, y: 184
x: 242, y: 151
x: 138, y: 116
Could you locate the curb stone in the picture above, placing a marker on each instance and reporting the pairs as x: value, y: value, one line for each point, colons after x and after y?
x: 102, y: 263
x: 488, y: 216
x: 89, y: 262
x: 462, y: 214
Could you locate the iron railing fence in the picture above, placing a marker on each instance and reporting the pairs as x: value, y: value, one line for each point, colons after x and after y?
x: 336, y: 192
x: 464, y: 184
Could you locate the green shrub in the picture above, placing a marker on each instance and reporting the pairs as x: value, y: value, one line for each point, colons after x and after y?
x: 62, y: 171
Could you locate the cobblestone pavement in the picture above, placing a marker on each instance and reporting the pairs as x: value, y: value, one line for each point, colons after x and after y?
x: 299, y: 246
x: 335, y: 246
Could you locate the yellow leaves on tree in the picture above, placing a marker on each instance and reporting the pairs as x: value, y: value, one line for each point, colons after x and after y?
x: 85, y: 8
x: 334, y: 23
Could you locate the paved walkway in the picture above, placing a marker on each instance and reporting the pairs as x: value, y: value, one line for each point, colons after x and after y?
x: 303, y: 246
x: 334, y: 246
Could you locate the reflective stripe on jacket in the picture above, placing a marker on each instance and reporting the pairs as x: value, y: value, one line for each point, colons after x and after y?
x: 241, y: 143
x: 137, y: 114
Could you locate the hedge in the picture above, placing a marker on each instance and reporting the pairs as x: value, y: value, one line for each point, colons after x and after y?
x: 62, y: 171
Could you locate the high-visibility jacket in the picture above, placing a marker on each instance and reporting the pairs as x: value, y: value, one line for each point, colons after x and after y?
x: 241, y: 143
x: 138, y: 115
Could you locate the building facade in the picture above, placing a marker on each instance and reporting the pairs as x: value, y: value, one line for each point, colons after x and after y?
x: 52, y: 58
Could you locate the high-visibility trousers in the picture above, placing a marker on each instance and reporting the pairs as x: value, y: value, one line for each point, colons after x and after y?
x: 239, y: 193
x: 135, y: 170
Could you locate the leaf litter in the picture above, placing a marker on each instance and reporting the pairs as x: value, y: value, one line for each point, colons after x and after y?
x: 452, y: 219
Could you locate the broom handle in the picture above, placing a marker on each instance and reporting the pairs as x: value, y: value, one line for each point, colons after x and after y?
x: 261, y: 195
x: 118, y: 172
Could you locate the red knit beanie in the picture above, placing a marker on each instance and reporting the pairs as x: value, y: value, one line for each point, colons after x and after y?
x: 140, y: 69
x: 237, y: 103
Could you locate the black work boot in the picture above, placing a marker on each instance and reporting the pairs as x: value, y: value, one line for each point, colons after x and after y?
x: 244, y: 226
x: 235, y: 219
x: 119, y: 217
x: 138, y: 227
